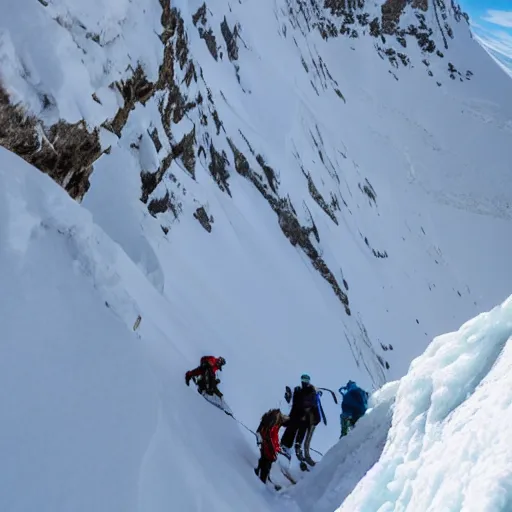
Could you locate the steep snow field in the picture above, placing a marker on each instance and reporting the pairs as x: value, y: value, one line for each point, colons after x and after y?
x: 420, y: 174
x: 95, y: 416
x: 401, y: 180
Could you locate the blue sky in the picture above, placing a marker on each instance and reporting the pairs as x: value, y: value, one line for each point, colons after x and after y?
x: 491, y: 22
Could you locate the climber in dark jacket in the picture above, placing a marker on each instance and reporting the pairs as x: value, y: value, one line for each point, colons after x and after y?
x: 304, y: 417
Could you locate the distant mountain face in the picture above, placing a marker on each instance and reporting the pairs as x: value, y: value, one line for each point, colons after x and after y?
x: 353, y: 129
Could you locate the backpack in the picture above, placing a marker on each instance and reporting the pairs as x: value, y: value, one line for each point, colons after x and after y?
x: 207, y: 360
x: 271, y: 418
x: 354, y: 396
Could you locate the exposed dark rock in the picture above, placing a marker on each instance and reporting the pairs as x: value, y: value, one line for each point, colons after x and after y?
x: 200, y: 15
x: 367, y: 189
x: 66, y: 152
x: 217, y: 121
x: 391, y: 12
x: 315, y: 194
x: 241, y: 163
x: 375, y: 27
x: 149, y: 181
x: 136, y: 89
x: 156, y: 140
x: 159, y: 205
x: 420, y: 4
x: 230, y: 38
x: 205, y: 221
x: 190, y: 74
x: 269, y: 173
x: 217, y: 167
x: 290, y: 225
x: 210, y: 40
x: 185, y: 150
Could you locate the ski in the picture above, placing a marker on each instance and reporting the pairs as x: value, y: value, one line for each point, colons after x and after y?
x: 217, y: 402
x: 287, y: 475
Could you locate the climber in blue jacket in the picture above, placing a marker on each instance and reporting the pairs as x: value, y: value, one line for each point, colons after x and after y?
x: 353, y: 406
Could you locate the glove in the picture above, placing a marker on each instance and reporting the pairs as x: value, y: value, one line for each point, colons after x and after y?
x: 187, y: 379
x: 259, y: 439
x: 320, y: 392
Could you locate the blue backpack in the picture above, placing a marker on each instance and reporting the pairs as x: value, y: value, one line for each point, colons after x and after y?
x: 354, y: 397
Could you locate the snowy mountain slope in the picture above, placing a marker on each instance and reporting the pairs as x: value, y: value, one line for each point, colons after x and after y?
x: 448, y: 447
x: 287, y: 194
x: 96, y: 416
x: 367, y: 182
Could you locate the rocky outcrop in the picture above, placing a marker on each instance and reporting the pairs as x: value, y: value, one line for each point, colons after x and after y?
x: 64, y: 151
x: 230, y: 38
x: 205, y: 221
x: 391, y: 12
x: 205, y: 32
x: 135, y: 89
x: 389, y: 24
x: 297, y: 234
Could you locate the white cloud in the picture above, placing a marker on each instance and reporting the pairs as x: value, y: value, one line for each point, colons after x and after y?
x: 502, y: 18
x: 498, y: 43
x: 504, y: 63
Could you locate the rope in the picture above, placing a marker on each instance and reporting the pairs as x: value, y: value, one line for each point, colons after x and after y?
x: 231, y: 415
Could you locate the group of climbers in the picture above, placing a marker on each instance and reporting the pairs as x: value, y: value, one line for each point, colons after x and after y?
x: 305, y: 414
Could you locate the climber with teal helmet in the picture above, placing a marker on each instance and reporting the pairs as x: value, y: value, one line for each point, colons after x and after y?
x: 353, y: 406
x: 305, y: 415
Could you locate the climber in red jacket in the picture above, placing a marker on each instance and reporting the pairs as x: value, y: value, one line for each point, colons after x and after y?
x: 267, y: 436
x: 205, y: 375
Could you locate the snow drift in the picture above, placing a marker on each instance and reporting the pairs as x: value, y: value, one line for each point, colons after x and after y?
x: 448, y: 447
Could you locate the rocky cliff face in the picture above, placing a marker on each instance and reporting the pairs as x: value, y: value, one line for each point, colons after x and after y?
x: 26, y: 135
x: 193, y: 112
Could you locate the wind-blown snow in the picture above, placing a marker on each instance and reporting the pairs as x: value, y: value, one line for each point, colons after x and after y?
x: 449, y: 444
